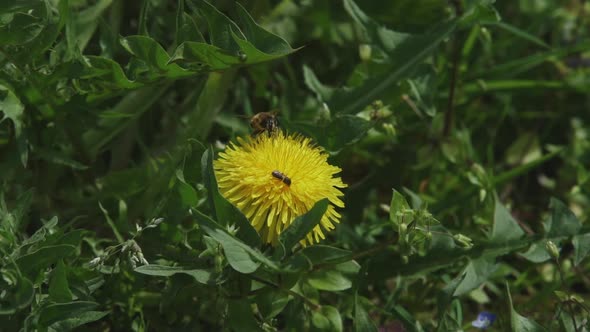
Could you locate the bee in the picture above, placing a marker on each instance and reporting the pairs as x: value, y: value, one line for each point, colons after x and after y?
x: 264, y: 121
x: 281, y: 177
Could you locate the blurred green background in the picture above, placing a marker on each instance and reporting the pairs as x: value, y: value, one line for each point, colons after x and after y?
x: 474, y: 112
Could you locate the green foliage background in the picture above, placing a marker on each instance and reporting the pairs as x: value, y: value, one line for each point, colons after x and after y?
x: 474, y: 113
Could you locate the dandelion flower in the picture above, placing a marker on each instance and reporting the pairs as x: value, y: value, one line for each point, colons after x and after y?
x: 275, y: 178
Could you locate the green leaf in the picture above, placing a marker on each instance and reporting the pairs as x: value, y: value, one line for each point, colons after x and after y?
x: 302, y: 225
x: 202, y: 276
x: 328, y: 280
x: 229, y: 46
x: 22, y: 28
x: 387, y: 39
x: 406, y: 57
x: 12, y: 109
x: 362, y: 321
x: 202, y: 57
x: 524, y: 150
x: 16, y: 296
x: 476, y: 272
x: 327, y: 319
x: 17, y: 5
x: 106, y: 72
x: 519, y: 323
x: 188, y: 194
x: 323, y: 92
x: 59, y: 290
x: 56, y: 312
x: 263, y: 40
x: 505, y: 227
x: 341, y: 131
x: 86, y: 21
x: 581, y: 247
x: 240, y: 316
x: 536, y: 253
x: 322, y: 254
x: 270, y: 303
x: 296, y: 263
x: 111, y: 223
x: 251, y: 55
x: 35, y: 262
x: 223, y: 211
x: 186, y: 28
x: 240, y: 256
x: 517, y: 32
x: 220, y: 27
x: 562, y: 222
x: 79, y: 320
x: 58, y: 158
x: 397, y: 207
x: 153, y: 54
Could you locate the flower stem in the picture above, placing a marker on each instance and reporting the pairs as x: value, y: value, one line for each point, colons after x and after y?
x: 309, y: 302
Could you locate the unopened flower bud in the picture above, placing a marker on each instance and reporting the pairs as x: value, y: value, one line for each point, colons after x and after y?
x: 389, y: 129
x: 463, y: 241
x: 552, y: 249
x: 365, y: 52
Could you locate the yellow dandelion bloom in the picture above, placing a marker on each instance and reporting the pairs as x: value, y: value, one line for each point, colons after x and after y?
x: 275, y: 178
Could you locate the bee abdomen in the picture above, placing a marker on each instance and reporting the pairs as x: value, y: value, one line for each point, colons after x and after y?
x: 285, y: 179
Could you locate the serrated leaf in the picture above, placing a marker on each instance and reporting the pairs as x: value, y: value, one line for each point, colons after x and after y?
x: 154, y: 55
x: 263, y: 40
x: 220, y: 27
x: 202, y: 57
x: 107, y: 72
x: 202, y: 276
x: 505, y: 228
